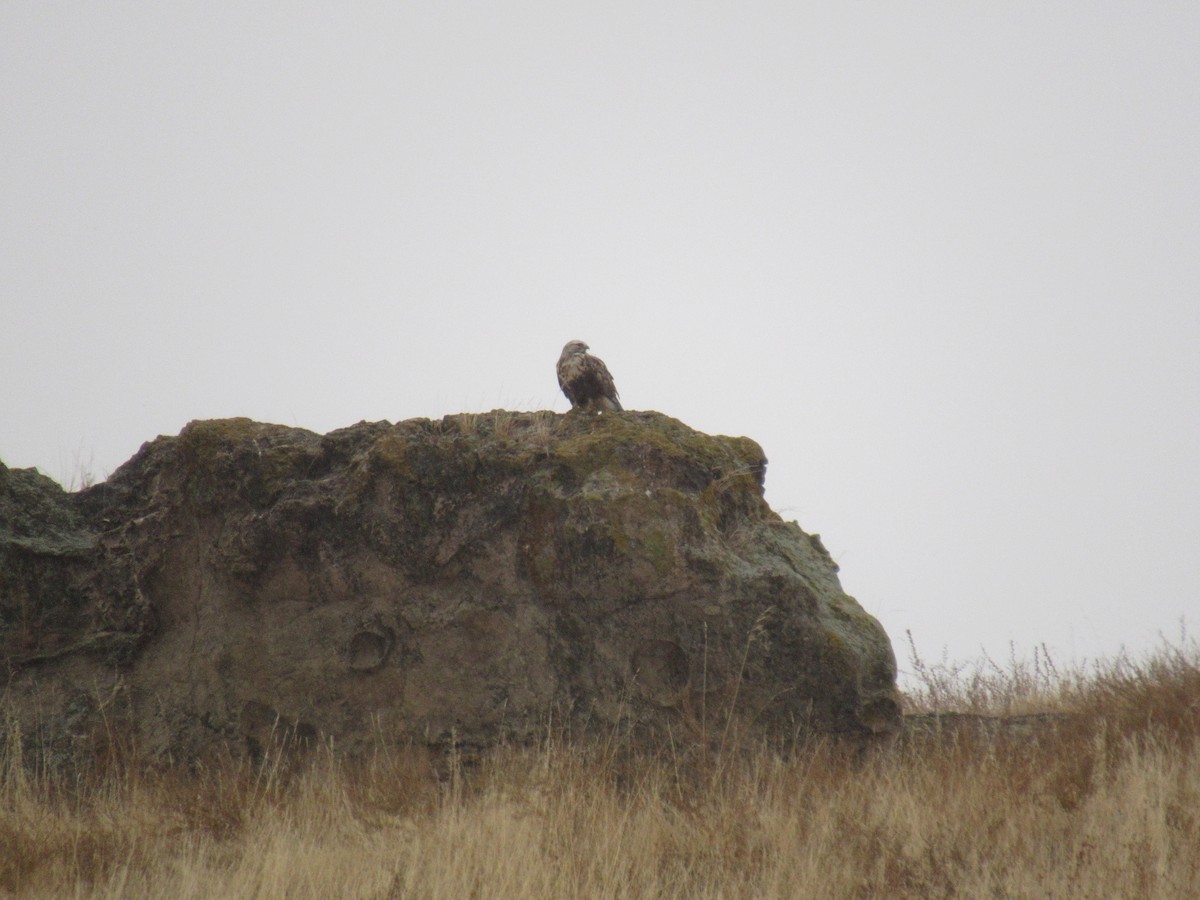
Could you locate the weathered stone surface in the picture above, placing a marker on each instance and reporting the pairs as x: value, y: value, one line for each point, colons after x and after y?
x: 481, y: 577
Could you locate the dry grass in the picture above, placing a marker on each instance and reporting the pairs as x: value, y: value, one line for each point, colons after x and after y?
x: 1103, y: 801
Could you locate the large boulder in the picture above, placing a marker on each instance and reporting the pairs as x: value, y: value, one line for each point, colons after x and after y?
x: 476, y: 579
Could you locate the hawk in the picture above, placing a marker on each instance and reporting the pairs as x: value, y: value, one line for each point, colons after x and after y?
x: 585, y: 379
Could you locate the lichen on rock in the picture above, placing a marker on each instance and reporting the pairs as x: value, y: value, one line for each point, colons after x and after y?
x: 476, y: 576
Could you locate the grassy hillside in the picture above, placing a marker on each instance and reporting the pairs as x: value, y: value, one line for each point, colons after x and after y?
x: 1093, y: 791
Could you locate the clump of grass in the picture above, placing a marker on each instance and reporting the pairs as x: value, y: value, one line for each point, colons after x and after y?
x: 984, y: 686
x: 1123, y: 695
x: 81, y: 471
x: 1107, y: 804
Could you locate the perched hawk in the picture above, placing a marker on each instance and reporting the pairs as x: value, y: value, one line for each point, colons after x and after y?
x: 585, y: 379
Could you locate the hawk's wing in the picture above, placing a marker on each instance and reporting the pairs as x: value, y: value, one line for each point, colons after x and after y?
x: 603, y: 379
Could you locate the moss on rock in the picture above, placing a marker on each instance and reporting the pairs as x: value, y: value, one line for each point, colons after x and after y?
x: 620, y: 570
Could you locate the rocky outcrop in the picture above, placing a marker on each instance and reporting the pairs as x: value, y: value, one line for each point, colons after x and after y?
x: 478, y: 578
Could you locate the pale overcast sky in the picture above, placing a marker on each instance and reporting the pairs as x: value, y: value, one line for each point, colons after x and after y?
x: 942, y: 260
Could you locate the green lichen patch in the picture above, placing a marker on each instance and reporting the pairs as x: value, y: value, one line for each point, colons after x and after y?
x: 390, y: 453
x: 654, y: 448
x: 255, y: 461
x: 37, y: 512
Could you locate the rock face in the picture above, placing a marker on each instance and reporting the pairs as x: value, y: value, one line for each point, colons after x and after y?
x: 479, y: 578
